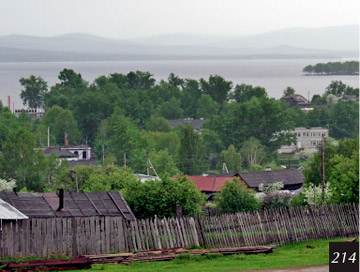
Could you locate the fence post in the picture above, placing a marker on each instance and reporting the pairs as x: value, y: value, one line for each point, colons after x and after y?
x: 74, y: 237
x: 201, y: 230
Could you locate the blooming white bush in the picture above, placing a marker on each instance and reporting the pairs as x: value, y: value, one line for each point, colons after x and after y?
x: 271, y: 188
x: 7, y: 186
x: 313, y: 195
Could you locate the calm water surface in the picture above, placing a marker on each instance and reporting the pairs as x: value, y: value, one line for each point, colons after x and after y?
x: 274, y: 75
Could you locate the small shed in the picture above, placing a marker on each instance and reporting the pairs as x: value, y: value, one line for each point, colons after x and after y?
x: 48, y: 205
x: 8, y: 212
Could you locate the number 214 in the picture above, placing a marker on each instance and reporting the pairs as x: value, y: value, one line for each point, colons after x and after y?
x: 352, y: 257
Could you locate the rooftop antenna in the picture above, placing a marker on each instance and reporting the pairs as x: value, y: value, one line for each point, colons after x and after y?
x: 149, y: 166
x: 224, y: 168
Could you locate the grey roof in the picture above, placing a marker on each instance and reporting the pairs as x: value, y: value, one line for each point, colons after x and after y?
x: 75, y: 204
x: 286, y: 176
x: 92, y: 161
x: 8, y: 212
x: 30, y: 204
x: 197, y: 123
x: 62, y: 153
x: 307, y: 128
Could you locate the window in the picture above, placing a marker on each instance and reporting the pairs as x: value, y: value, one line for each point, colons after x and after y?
x: 299, y: 134
x: 84, y: 155
x: 304, y: 134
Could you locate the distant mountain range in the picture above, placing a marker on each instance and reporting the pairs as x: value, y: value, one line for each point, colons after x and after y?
x: 329, y: 42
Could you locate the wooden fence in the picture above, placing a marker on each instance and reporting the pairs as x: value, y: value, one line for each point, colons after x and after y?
x: 97, y: 235
x: 277, y: 226
x: 63, y: 236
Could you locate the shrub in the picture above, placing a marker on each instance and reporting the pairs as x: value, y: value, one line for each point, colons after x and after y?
x: 236, y: 197
x: 160, y: 197
x: 298, y: 200
x: 276, y: 199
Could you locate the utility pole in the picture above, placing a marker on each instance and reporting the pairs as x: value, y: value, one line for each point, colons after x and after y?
x: 323, y: 169
x: 124, y: 159
x: 103, y: 153
x: 150, y: 165
x: 48, y: 138
x: 147, y: 167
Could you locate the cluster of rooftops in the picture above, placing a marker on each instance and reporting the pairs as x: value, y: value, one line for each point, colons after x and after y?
x: 14, y: 206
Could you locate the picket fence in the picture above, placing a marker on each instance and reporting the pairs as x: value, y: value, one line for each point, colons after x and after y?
x: 276, y: 226
x: 98, y: 235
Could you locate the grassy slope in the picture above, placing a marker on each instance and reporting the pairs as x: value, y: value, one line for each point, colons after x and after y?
x: 287, y: 256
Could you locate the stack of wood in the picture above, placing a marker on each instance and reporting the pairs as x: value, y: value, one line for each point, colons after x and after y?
x: 47, y: 265
x: 170, y: 254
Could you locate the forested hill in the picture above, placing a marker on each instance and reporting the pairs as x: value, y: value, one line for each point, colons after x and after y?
x: 330, y: 42
x: 333, y: 68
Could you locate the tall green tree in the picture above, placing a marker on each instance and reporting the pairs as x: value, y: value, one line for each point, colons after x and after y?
x: 191, y: 158
x: 59, y: 121
x: 253, y: 152
x: 21, y: 162
x: 244, y: 93
x: 217, y: 87
x: 232, y: 158
x: 34, y: 89
x: 288, y: 91
x: 344, y: 178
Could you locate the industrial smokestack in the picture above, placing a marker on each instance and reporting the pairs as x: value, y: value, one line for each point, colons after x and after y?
x: 61, y: 200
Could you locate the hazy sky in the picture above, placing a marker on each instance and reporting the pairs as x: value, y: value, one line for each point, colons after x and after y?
x: 135, y: 18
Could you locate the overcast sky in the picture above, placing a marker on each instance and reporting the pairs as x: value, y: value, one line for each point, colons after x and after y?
x: 123, y: 19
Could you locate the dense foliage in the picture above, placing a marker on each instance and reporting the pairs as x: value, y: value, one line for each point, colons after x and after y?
x: 160, y: 197
x: 126, y: 116
x: 341, y: 170
x: 334, y: 68
x: 236, y: 197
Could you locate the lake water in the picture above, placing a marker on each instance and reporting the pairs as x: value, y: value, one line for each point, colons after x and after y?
x: 274, y: 75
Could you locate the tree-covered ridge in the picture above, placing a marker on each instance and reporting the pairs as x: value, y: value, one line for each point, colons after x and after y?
x: 334, y: 68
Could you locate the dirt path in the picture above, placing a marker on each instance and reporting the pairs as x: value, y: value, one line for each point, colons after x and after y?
x: 317, y: 268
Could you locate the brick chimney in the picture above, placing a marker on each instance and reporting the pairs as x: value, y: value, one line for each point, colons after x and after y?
x: 61, y: 200
x: 66, y: 139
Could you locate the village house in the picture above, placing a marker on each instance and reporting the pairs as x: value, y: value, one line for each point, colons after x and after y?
x: 292, y: 178
x: 307, y: 138
x: 296, y: 100
x: 197, y: 123
x: 75, y: 155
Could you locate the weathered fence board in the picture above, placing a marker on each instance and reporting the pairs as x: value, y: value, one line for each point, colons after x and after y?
x: 98, y: 235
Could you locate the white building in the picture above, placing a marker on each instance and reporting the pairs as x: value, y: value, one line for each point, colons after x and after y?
x: 307, y: 138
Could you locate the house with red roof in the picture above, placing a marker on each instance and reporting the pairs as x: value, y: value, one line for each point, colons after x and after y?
x: 292, y: 179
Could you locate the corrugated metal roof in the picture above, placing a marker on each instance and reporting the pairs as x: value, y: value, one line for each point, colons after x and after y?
x: 75, y: 204
x: 286, y: 176
x: 8, y: 212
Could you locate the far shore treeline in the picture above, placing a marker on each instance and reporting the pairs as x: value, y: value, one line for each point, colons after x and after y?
x: 333, y: 68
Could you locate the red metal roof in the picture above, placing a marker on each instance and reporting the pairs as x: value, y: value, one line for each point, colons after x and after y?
x: 209, y: 183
